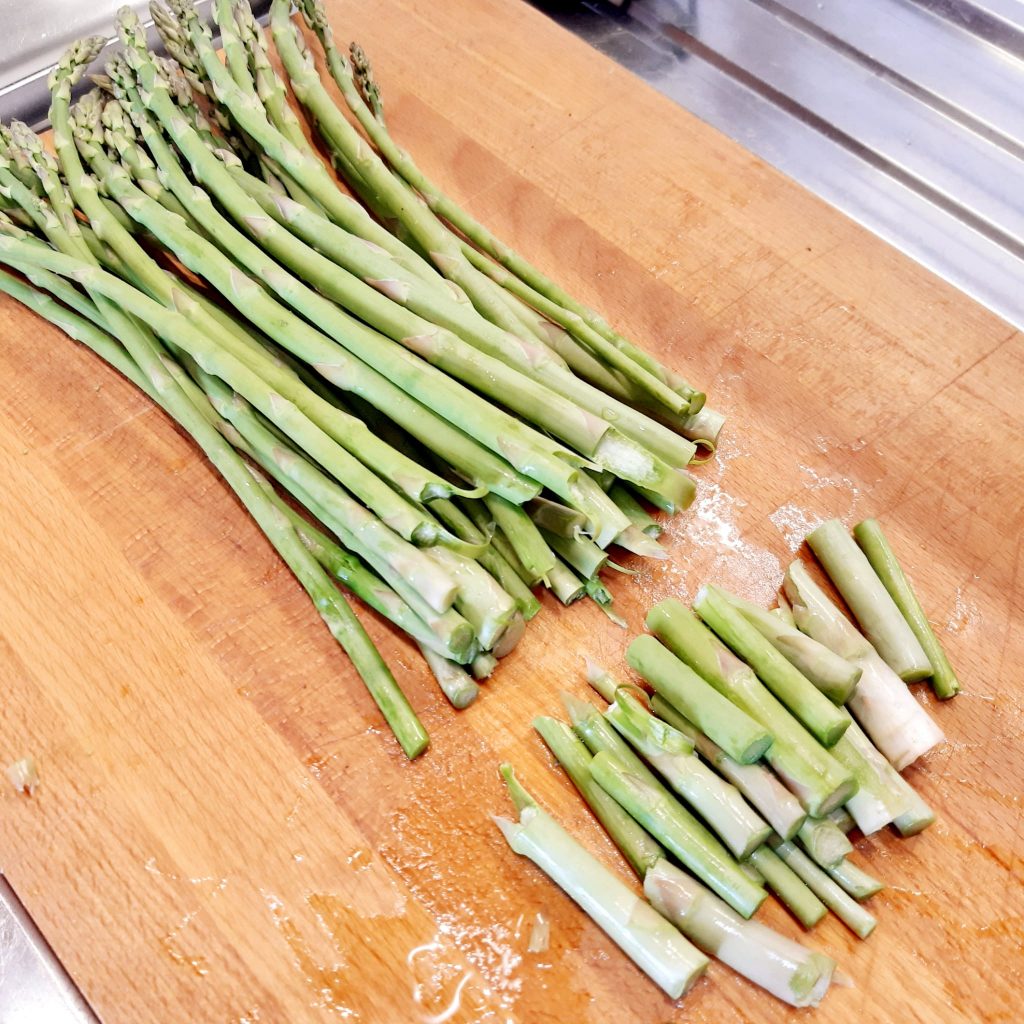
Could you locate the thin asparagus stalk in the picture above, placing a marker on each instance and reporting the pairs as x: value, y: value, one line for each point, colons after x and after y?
x: 835, y: 677
x: 482, y: 666
x: 455, y: 682
x: 636, y: 845
x: 662, y: 816
x: 871, y: 604
x: 757, y: 783
x: 784, y: 968
x: 856, y: 881
x: 831, y: 893
x: 788, y: 886
x: 875, y: 546
x: 731, y: 727
x: 825, y: 844
x: 808, y: 705
x: 565, y: 584
x: 884, y: 706
x: 670, y: 753
x: 522, y: 533
x: 635, y: 927
x: 816, y: 778
x: 638, y: 515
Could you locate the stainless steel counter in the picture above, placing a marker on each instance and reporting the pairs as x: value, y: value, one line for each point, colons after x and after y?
x: 904, y: 114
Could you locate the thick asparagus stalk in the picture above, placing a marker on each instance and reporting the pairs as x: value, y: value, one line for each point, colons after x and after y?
x: 825, y: 843
x: 661, y: 815
x: 455, y: 682
x: 757, y: 783
x: 556, y: 518
x: 831, y: 893
x: 636, y: 845
x: 796, y: 975
x: 635, y: 927
x: 835, y: 677
x: 788, y: 886
x: 816, y: 778
x: 871, y: 604
x: 885, y: 707
x: 565, y: 584
x: 873, y: 543
x: 735, y: 731
x: 808, y: 705
x: 579, y: 552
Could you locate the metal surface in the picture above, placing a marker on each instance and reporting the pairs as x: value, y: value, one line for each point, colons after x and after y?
x: 34, y: 988
x: 905, y: 115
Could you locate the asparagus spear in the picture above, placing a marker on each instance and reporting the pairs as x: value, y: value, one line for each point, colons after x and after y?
x: 808, y: 705
x: 874, y: 608
x: 842, y: 819
x: 638, y: 515
x: 636, y: 845
x: 815, y: 777
x: 835, y: 677
x: 579, y: 552
x: 455, y: 682
x: 565, y: 584
x: 671, y: 755
x: 794, y: 974
x: 831, y: 893
x: 635, y: 927
x: 873, y: 543
x: 556, y: 518
x: 885, y: 707
x: 526, y: 540
x: 791, y: 889
x: 743, y: 738
x: 662, y: 816
x: 757, y: 783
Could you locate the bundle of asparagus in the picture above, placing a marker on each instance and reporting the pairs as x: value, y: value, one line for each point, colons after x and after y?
x: 403, y: 403
x: 750, y: 774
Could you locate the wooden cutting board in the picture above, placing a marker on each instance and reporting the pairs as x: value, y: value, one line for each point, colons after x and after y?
x: 224, y: 831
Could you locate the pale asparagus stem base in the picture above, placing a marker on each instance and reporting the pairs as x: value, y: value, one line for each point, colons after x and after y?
x: 636, y: 928
x: 678, y: 831
x: 816, y: 778
x: 788, y: 886
x: 875, y: 546
x: 831, y: 893
x: 886, y: 709
x: 873, y: 607
x: 822, y: 719
x: 758, y: 784
x: 636, y: 845
x: 784, y: 968
x: 735, y: 731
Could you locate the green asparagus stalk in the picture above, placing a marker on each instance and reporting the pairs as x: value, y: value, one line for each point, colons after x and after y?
x: 831, y: 893
x: 638, y: 515
x: 757, y: 783
x: 825, y: 844
x: 579, y: 552
x: 788, y: 886
x: 807, y: 769
x: 842, y: 819
x: 636, y: 845
x: 482, y: 666
x: 662, y: 816
x: 832, y: 675
x: 856, y: 881
x: 871, y: 604
x: 670, y: 754
x: 783, y: 611
x: 522, y: 533
x: 782, y: 967
x: 455, y: 682
x: 808, y: 705
x: 635, y: 927
x: 884, y: 706
x: 731, y: 727
x: 873, y: 543
x: 556, y: 518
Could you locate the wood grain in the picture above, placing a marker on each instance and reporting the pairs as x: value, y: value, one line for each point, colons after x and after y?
x: 224, y: 833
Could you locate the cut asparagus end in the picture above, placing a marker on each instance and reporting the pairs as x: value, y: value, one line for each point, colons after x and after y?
x: 782, y: 967
x: 855, y: 880
x: 455, y: 682
x: 790, y: 888
x: 876, y: 548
